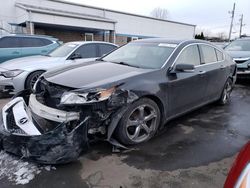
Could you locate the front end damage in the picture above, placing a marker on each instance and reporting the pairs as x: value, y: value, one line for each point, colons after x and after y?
x: 54, y: 125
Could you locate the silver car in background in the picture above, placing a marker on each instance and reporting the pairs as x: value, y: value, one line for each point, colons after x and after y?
x: 239, y: 50
x: 19, y: 74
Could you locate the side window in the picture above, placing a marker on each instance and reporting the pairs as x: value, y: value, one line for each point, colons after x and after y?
x: 105, y: 48
x: 220, y: 56
x: 31, y: 42
x: 190, y: 55
x: 208, y: 54
x: 10, y: 42
x: 87, y: 51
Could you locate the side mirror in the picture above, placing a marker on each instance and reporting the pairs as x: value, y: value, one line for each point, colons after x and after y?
x: 184, y: 67
x: 75, y: 56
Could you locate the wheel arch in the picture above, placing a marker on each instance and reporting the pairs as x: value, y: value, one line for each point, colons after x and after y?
x: 30, y: 74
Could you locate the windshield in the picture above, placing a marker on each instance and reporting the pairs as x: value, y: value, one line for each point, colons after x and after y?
x: 239, y: 45
x: 63, y: 50
x: 143, y: 55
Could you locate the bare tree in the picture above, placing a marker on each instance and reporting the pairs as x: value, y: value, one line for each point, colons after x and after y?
x: 160, y: 13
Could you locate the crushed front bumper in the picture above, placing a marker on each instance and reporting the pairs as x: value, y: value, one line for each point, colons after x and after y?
x: 56, y: 146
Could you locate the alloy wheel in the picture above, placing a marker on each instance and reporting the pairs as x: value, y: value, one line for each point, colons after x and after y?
x: 227, y: 92
x: 141, y: 123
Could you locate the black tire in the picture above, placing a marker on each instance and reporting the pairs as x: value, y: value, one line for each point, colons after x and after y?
x: 144, y: 116
x: 225, y: 95
x: 30, y: 81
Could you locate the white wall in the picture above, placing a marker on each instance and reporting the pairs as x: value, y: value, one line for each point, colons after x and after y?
x: 128, y: 24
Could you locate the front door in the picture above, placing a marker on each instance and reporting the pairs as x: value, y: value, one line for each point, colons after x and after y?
x: 187, y: 89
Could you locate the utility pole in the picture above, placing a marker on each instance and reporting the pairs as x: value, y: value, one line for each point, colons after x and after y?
x: 241, y: 24
x: 231, y: 25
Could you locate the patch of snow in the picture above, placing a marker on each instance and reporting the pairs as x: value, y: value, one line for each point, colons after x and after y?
x: 18, y: 171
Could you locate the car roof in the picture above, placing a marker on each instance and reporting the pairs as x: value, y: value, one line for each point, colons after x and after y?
x: 170, y: 41
x: 244, y: 38
x: 89, y: 42
x: 32, y: 36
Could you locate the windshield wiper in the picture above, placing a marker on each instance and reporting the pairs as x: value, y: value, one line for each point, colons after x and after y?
x: 126, y: 64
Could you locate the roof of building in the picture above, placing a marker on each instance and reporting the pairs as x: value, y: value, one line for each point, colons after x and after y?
x: 121, y: 12
x: 62, y: 12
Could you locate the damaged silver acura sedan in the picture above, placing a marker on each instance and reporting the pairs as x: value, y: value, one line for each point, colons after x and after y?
x: 123, y: 98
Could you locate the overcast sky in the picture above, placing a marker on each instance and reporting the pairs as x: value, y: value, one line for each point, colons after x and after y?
x: 211, y: 16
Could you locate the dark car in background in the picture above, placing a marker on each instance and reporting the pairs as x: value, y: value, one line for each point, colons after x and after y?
x: 15, y: 46
x: 239, y: 50
x: 123, y: 98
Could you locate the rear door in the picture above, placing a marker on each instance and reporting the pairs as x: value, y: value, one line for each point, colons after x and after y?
x: 213, y: 61
x: 187, y: 89
x: 34, y: 46
x: 10, y: 48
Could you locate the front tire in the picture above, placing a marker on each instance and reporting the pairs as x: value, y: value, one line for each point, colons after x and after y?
x: 225, y: 96
x: 139, y: 123
x: 32, y: 78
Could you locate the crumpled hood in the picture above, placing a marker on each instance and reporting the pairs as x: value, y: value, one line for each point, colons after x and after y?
x: 92, y: 74
x: 27, y: 63
x: 239, y: 54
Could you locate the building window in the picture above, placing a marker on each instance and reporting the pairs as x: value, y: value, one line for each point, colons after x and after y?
x: 106, y: 36
x: 89, y: 36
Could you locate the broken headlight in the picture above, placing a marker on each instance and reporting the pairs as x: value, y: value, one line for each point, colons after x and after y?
x: 85, y: 98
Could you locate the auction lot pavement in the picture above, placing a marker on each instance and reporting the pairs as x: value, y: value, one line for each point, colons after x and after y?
x: 196, y: 150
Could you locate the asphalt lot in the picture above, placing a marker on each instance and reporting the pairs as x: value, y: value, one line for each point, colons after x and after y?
x: 196, y: 150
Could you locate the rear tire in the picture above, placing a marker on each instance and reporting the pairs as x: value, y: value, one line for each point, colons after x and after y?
x: 139, y: 123
x: 225, y: 96
x: 32, y: 78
